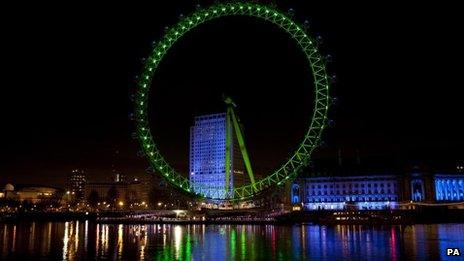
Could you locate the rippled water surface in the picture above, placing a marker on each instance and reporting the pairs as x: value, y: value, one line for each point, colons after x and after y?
x: 79, y: 240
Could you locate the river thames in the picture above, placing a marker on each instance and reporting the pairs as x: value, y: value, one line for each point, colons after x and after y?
x: 83, y: 240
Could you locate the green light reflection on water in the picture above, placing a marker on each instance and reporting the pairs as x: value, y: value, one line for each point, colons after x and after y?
x: 188, y: 248
x: 233, y: 243
x: 243, y: 244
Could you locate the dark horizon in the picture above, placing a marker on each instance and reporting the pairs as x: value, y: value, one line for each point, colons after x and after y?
x: 69, y: 74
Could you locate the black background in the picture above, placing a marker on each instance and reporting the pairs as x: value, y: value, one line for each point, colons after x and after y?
x: 68, y: 71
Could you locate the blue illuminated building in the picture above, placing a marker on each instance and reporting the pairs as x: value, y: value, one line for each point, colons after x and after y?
x: 208, y: 154
x: 360, y: 192
x: 364, y: 192
x: 449, y: 187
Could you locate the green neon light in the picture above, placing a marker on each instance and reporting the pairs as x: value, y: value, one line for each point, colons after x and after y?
x: 301, y: 155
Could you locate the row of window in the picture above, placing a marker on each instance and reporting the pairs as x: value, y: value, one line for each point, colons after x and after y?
x: 450, y: 196
x: 216, y: 140
x: 356, y: 185
x: 205, y: 131
x: 212, y: 171
x: 450, y: 183
x: 210, y: 153
x: 210, y: 117
x: 351, y: 198
x: 344, y: 192
x: 209, y: 185
x: 207, y: 149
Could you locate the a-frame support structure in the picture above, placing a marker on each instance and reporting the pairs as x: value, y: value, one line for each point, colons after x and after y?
x: 233, y: 123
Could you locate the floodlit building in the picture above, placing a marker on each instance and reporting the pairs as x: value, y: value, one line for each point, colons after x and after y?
x: 449, y: 187
x: 360, y: 192
x: 30, y: 193
x: 376, y: 191
x: 208, y: 157
x: 36, y: 194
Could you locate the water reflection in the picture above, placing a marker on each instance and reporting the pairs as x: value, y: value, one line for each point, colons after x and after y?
x: 85, y: 240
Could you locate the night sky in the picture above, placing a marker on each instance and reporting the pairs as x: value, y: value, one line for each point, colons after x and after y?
x: 68, y: 73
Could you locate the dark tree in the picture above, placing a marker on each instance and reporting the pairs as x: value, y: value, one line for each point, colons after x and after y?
x: 9, y: 202
x: 93, y: 198
x: 79, y: 196
x: 26, y: 205
x: 53, y: 201
x: 112, y: 195
x: 153, y: 196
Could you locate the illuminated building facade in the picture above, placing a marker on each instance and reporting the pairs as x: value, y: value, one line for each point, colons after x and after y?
x: 76, y: 183
x: 36, y: 194
x: 360, y: 192
x: 208, y: 157
x: 375, y: 191
x: 31, y: 193
x: 449, y: 187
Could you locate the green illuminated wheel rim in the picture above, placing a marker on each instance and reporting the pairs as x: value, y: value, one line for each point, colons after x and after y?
x: 311, y: 140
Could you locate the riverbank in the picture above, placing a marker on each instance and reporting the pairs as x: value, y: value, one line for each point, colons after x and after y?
x: 47, y: 216
x: 427, y: 215
x: 186, y: 222
x: 352, y: 217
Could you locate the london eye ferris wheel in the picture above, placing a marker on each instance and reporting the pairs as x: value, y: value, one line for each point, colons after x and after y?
x: 300, y: 156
